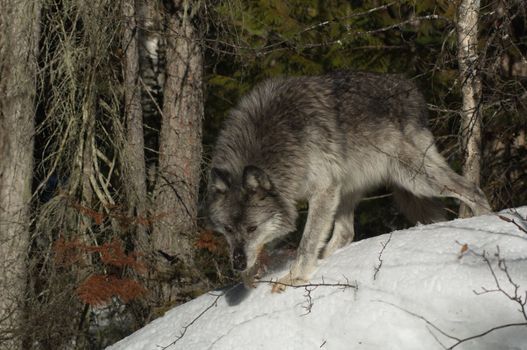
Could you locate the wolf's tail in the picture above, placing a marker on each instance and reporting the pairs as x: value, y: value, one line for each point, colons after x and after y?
x: 424, y: 210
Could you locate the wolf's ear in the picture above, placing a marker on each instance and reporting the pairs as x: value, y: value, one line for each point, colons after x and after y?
x: 220, y: 180
x: 255, y: 178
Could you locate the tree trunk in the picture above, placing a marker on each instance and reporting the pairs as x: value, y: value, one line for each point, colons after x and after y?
x: 177, y: 182
x: 467, y: 38
x: 19, y: 33
x: 134, y: 161
x: 134, y: 148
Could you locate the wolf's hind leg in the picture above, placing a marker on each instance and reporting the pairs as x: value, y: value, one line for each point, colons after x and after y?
x: 322, y: 207
x: 424, y: 172
x: 343, y: 230
x: 424, y: 210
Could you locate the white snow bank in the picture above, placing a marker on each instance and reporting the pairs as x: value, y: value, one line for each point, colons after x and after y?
x: 425, y: 294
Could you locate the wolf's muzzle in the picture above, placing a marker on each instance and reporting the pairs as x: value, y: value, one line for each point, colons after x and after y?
x: 239, y: 260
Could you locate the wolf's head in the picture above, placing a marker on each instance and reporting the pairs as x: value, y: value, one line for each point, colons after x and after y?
x: 248, y: 211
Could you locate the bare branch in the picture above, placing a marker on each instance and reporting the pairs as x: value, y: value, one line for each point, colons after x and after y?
x: 520, y: 227
x: 188, y: 325
x: 516, y: 297
x: 378, y: 267
x: 482, y: 334
x: 310, y: 285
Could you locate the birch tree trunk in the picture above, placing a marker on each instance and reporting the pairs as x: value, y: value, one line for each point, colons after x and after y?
x: 177, y: 184
x: 19, y: 33
x: 467, y: 38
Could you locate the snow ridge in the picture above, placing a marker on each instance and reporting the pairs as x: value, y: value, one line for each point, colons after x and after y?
x: 428, y: 287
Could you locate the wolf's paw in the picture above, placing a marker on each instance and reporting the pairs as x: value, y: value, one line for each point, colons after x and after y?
x: 250, y: 282
x: 286, y: 281
x: 251, y: 277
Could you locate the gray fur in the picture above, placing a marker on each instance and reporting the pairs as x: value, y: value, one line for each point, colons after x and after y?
x: 326, y: 139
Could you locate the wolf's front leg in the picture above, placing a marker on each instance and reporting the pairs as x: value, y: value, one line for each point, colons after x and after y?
x: 322, y: 207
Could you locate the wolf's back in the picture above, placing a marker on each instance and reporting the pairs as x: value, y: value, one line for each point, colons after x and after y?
x: 283, y: 123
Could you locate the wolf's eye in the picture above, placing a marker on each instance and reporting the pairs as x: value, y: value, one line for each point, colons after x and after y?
x: 228, y: 228
x: 251, y: 228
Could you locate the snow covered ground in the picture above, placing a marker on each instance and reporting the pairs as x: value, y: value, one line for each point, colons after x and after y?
x: 433, y: 290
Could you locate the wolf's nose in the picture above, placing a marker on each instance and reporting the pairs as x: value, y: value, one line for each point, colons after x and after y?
x: 239, y: 260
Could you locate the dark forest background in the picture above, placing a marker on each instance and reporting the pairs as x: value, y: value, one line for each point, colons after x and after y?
x: 119, y: 104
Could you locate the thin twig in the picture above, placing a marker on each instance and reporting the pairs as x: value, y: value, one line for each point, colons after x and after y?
x: 520, y: 227
x: 194, y: 320
x: 378, y: 267
x: 516, y: 297
x: 323, y: 284
x: 461, y: 341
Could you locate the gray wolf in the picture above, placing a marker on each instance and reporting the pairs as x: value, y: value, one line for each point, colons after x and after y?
x: 325, y: 139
